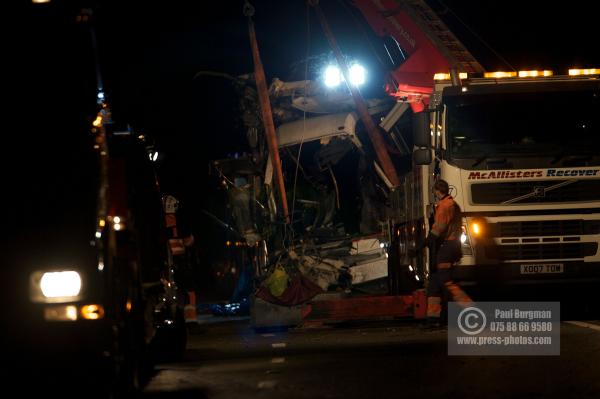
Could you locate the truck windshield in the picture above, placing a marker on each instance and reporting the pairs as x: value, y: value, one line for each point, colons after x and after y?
x: 533, y: 124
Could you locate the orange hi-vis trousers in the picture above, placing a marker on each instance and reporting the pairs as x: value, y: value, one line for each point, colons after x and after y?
x: 438, y: 281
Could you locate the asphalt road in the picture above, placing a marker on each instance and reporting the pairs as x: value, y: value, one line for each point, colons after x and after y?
x: 392, y: 359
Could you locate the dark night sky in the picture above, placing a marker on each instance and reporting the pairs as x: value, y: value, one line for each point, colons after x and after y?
x: 150, y: 52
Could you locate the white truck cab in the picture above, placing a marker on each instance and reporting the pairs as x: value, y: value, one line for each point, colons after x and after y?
x: 521, y: 157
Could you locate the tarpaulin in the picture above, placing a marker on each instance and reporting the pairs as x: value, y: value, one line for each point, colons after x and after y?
x: 300, y: 290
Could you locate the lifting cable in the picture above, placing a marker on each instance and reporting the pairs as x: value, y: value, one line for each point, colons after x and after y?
x: 303, y: 120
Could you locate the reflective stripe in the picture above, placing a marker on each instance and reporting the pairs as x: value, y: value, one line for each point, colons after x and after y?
x: 434, y: 306
x: 170, y: 220
x: 434, y: 310
x: 434, y: 300
x: 189, y: 311
x: 176, y: 246
x: 440, y: 225
x: 438, y: 228
x: 458, y: 294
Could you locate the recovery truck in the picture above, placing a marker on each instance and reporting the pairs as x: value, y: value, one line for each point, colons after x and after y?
x: 519, y: 151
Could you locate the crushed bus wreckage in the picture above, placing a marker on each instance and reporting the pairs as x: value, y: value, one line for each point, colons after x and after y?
x: 339, y: 231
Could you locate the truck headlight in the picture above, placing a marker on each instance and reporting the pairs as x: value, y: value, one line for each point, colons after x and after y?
x: 55, y: 287
x: 465, y: 242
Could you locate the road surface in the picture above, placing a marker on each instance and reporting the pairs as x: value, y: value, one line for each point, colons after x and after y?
x: 392, y: 359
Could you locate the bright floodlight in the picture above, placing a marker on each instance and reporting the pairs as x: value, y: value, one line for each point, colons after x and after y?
x: 333, y: 76
x: 60, y: 284
x: 357, y: 74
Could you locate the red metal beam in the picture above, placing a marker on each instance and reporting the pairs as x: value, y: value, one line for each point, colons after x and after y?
x: 267, y: 117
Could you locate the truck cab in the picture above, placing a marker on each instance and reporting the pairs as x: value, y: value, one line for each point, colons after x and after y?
x: 520, y: 155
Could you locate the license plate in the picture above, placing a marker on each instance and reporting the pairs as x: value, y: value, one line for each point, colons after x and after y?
x: 542, y: 268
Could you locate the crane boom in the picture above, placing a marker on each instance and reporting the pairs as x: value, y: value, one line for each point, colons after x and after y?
x: 430, y: 46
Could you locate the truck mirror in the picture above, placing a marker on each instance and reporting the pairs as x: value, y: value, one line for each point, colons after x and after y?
x: 422, y: 156
x: 421, y: 129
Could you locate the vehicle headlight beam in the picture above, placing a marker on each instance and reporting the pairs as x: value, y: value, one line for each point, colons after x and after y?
x: 55, y: 286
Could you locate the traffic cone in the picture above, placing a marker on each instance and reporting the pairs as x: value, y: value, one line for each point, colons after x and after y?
x: 189, y: 311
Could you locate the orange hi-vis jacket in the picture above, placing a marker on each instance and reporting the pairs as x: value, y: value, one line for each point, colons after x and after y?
x: 445, y: 224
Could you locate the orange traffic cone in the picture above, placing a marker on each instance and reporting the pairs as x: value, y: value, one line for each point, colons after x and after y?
x: 189, y: 311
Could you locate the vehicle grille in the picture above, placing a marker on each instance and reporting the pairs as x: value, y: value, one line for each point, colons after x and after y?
x: 541, y: 251
x: 496, y: 193
x: 545, y: 228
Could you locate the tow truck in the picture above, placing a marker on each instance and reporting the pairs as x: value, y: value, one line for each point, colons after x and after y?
x: 518, y: 150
